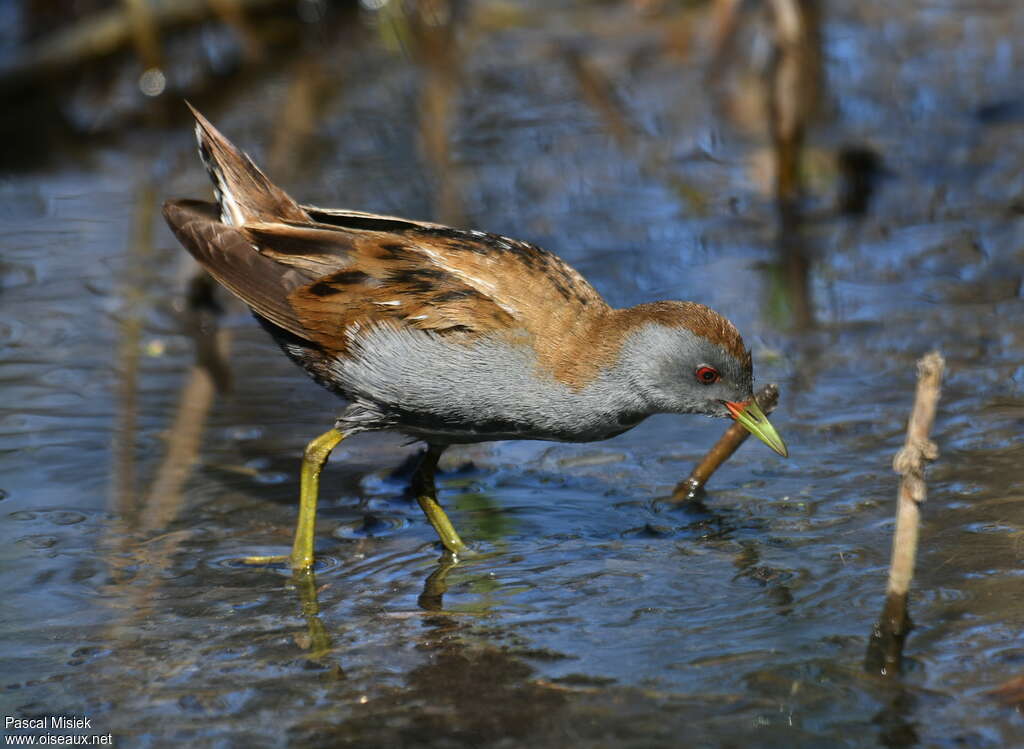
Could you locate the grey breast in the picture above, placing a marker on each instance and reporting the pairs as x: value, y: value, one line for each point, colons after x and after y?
x: 443, y: 391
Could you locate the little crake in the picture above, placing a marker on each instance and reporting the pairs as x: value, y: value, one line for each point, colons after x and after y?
x: 450, y: 336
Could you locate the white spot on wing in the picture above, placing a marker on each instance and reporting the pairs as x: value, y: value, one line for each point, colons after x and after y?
x: 230, y: 213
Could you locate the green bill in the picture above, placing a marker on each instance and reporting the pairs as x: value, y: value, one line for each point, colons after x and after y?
x: 752, y: 417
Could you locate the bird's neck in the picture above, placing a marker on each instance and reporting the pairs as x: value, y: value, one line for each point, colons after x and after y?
x: 591, y: 345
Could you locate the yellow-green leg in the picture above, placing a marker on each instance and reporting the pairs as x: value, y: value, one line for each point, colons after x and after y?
x: 317, y: 452
x: 426, y: 494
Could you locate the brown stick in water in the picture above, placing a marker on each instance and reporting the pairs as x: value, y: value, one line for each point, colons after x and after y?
x: 767, y: 398
x: 885, y: 649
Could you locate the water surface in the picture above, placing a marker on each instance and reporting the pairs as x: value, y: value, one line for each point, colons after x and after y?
x: 591, y: 612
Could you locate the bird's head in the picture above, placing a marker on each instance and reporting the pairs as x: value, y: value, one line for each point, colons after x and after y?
x: 686, y: 358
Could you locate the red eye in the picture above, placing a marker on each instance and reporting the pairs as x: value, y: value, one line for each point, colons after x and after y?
x: 707, y: 375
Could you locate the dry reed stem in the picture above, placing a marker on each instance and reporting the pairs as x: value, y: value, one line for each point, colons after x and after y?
x: 885, y: 650
x: 909, y: 463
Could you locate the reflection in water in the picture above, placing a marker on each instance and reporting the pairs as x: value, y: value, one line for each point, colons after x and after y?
x: 158, y: 506
x: 749, y: 565
x: 794, y: 85
x: 436, y: 584
x: 602, y: 618
x: 789, y: 279
x: 791, y: 87
x: 468, y: 692
x: 163, y: 502
x: 794, y: 88
x: 860, y: 170
x: 140, y: 249
x: 897, y: 724
x: 317, y: 641
x: 200, y: 321
x: 433, y: 29
x: 788, y: 80
x: 137, y: 570
x: 599, y: 94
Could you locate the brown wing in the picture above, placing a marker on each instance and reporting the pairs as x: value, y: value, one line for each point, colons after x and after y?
x: 363, y: 278
x: 468, y: 279
x: 228, y: 255
x: 319, y: 282
x: 319, y: 273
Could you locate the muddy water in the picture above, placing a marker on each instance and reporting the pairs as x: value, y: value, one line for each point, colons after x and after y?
x: 590, y: 613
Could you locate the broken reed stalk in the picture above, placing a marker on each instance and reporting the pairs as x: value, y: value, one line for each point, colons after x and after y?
x: 885, y: 649
x: 767, y: 398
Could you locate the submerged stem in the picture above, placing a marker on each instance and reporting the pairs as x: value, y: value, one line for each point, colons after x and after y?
x: 767, y: 398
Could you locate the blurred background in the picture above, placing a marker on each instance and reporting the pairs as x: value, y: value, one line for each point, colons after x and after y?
x: 845, y: 181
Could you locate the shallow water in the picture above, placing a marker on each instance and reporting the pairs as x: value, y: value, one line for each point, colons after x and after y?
x: 591, y: 612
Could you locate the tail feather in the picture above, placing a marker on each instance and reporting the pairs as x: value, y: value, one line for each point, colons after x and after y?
x: 244, y: 193
x: 226, y: 252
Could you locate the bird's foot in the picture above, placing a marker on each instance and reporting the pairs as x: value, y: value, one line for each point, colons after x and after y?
x: 262, y: 561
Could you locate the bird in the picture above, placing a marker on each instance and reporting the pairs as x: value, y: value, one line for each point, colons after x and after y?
x: 449, y: 336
